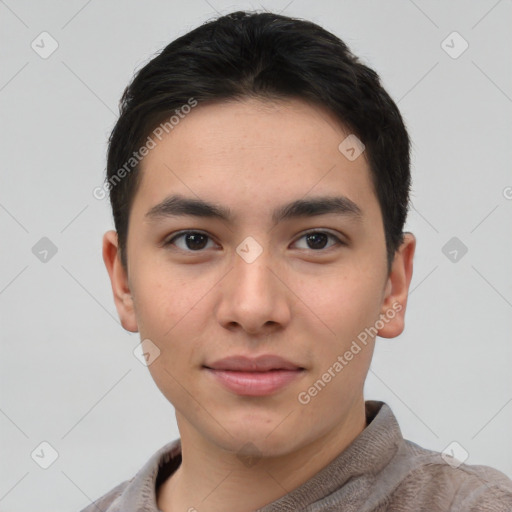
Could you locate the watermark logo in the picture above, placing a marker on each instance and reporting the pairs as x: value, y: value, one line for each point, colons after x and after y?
x: 44, y: 455
x: 249, y: 249
x: 454, y: 249
x: 351, y: 147
x: 44, y: 45
x: 454, y: 45
x: 455, y: 454
x: 44, y: 250
x: 146, y: 352
x: 249, y: 455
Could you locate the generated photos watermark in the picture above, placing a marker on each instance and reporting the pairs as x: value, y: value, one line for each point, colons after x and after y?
x: 304, y: 397
x: 137, y: 156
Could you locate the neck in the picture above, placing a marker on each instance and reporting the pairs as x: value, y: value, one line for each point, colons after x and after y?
x: 211, y: 479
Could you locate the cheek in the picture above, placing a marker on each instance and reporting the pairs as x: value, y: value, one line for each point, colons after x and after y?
x: 346, y: 306
x: 175, y: 384
x: 162, y: 317
x: 178, y: 359
x: 163, y: 300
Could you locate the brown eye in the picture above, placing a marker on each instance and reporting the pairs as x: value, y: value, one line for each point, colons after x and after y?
x: 193, y: 241
x: 317, y: 240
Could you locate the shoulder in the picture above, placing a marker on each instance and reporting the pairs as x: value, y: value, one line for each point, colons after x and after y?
x: 104, y: 502
x: 138, y: 492
x: 447, y: 484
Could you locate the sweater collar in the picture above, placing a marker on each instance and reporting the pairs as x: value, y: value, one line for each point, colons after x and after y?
x: 369, y: 452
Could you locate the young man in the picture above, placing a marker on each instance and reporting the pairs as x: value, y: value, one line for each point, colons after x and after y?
x: 259, y: 179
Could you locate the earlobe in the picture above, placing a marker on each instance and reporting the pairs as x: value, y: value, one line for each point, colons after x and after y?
x: 397, y: 289
x: 119, y: 281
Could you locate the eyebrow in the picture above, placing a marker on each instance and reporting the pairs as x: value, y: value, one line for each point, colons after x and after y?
x: 178, y: 206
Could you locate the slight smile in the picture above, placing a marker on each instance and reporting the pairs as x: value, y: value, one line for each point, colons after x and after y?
x: 260, y: 376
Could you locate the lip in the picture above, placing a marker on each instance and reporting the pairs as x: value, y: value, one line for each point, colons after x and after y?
x: 260, y: 376
x: 261, y: 363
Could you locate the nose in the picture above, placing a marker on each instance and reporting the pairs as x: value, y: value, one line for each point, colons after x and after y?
x: 253, y: 297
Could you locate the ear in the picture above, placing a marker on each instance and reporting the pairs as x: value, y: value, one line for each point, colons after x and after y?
x: 119, y: 281
x: 397, y: 289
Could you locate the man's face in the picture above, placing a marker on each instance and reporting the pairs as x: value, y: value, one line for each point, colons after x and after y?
x: 249, y: 286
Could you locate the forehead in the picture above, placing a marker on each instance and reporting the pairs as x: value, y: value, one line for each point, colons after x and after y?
x: 252, y: 155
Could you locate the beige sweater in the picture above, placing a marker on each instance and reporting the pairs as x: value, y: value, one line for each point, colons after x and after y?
x: 379, y: 471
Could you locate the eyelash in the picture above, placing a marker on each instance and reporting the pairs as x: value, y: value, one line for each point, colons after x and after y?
x: 180, y: 234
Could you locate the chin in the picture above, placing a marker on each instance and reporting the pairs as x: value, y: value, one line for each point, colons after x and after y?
x: 255, y: 447
x: 262, y: 439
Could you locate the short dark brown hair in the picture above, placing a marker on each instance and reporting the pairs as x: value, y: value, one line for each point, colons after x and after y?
x: 269, y: 56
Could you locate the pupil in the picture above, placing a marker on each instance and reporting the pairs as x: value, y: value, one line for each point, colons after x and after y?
x: 192, y: 240
x: 314, y: 237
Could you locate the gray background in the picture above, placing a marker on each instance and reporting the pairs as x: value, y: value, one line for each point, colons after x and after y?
x: 68, y: 373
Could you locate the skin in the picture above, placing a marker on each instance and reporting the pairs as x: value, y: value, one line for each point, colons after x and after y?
x: 305, y: 304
